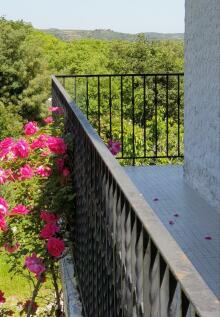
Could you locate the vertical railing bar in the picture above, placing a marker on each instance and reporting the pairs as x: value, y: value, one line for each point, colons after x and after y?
x: 122, y: 127
x: 64, y: 82
x: 155, y: 104
x: 167, y: 115
x: 178, y: 103
x: 99, y: 114
x: 87, y: 97
x: 133, y: 119
x: 144, y: 92
x: 75, y: 89
x: 110, y: 105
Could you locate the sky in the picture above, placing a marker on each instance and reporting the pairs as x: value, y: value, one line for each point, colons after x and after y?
x: 130, y: 16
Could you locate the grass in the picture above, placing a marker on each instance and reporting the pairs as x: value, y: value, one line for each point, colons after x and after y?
x: 18, y: 289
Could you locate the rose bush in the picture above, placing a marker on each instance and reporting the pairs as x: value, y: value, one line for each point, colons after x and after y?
x: 34, y: 205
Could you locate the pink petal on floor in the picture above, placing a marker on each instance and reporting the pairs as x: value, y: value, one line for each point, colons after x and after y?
x: 171, y: 222
x: 155, y: 199
x: 208, y: 238
x: 176, y: 215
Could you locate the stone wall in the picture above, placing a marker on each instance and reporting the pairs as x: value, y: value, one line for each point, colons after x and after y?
x: 202, y: 98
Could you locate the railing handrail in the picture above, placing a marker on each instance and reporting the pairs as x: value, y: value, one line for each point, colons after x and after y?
x: 120, y: 75
x: 197, y: 291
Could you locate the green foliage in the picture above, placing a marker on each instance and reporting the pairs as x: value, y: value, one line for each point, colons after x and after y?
x: 99, y: 56
x: 145, y: 56
x: 23, y: 71
x: 28, y: 56
x: 10, y: 122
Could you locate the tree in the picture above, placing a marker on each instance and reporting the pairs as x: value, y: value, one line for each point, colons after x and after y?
x: 23, y: 71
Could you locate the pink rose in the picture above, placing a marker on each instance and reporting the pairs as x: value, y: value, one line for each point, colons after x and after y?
x: 21, y: 149
x: 2, y: 298
x: 3, y: 224
x: 56, y: 145
x: 49, y: 230
x: 26, y: 172
x: 3, y: 176
x: 6, y: 146
x: 60, y: 164
x: 11, y: 248
x: 30, y: 128
x: 66, y: 172
x: 3, y: 206
x: 44, y: 171
x: 48, y: 120
x: 55, y: 246
x: 114, y: 147
x: 49, y: 216
x: 53, y: 109
x: 6, y: 143
x: 35, y: 264
x: 19, y: 210
x: 40, y: 142
x: 57, y: 110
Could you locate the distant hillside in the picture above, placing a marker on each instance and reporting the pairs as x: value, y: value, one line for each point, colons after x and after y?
x: 69, y: 35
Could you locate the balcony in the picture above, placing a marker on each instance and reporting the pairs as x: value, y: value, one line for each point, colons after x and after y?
x: 144, y: 243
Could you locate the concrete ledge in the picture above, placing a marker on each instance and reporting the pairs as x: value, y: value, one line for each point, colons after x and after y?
x: 72, y: 304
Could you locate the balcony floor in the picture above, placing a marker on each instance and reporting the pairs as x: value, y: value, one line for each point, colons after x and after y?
x: 166, y: 192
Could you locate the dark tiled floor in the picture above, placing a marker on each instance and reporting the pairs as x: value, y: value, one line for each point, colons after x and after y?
x: 196, y: 220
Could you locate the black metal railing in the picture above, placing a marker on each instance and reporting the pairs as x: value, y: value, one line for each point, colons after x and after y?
x: 127, y: 263
x: 142, y: 111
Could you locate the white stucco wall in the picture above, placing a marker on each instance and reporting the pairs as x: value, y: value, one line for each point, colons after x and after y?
x: 202, y: 98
